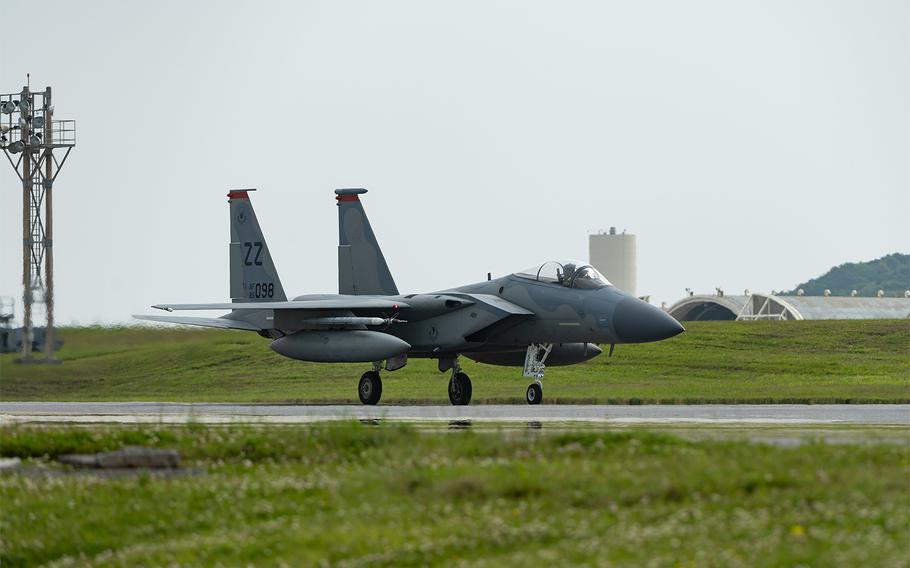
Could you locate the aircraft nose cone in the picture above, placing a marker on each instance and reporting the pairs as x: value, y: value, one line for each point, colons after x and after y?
x: 636, y: 321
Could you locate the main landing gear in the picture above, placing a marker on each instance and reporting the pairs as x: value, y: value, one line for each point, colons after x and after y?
x: 460, y: 389
x: 534, y: 367
x: 459, y: 384
x: 370, y: 387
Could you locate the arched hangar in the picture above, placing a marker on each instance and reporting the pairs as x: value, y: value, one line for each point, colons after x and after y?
x: 708, y: 308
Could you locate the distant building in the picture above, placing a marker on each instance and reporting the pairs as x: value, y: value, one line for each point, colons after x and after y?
x: 772, y: 307
x: 614, y: 256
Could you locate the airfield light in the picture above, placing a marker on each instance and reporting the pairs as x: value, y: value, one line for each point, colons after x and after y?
x: 37, y: 166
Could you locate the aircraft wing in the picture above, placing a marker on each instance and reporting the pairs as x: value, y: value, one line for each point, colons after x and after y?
x: 345, y: 303
x: 203, y: 322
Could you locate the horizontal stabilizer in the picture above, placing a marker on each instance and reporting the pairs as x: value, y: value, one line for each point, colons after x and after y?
x: 342, y: 303
x: 220, y: 323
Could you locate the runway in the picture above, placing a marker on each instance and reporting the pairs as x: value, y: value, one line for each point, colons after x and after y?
x: 213, y: 413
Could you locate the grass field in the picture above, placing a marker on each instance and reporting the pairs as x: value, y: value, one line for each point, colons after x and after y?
x: 757, y: 362
x: 357, y: 495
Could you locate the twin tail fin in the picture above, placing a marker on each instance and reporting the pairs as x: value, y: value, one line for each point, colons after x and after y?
x: 361, y: 267
x: 253, y: 274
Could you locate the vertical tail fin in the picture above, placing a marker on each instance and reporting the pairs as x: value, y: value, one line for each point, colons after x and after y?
x: 253, y: 274
x: 361, y: 267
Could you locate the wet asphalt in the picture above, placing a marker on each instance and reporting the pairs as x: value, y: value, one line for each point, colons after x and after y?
x: 167, y: 412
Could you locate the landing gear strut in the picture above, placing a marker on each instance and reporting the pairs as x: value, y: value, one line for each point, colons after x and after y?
x: 535, y: 367
x: 370, y: 387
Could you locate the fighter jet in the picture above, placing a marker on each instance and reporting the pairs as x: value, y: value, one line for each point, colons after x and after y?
x: 552, y: 314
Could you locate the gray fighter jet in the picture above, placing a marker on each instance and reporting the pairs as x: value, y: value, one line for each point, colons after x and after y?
x: 552, y: 314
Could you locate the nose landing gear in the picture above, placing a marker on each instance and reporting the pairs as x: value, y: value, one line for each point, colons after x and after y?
x: 535, y: 367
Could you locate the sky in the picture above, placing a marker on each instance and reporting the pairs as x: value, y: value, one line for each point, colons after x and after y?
x: 747, y: 144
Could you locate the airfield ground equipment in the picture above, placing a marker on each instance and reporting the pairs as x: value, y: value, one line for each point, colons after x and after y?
x: 7, y: 334
x: 37, y: 145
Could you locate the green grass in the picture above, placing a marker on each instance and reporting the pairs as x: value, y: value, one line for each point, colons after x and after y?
x: 396, y: 496
x: 757, y: 362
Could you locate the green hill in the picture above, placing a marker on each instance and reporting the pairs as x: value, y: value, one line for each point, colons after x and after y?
x: 890, y: 273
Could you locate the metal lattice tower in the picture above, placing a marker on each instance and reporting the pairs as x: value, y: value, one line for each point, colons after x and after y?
x: 29, y: 134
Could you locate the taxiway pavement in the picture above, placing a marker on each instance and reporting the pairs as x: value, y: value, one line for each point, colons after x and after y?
x: 171, y: 413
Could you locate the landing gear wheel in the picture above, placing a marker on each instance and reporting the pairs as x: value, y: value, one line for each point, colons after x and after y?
x: 370, y: 388
x: 460, y: 389
x: 534, y: 394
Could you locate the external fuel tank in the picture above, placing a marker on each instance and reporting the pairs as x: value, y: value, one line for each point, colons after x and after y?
x: 343, y: 346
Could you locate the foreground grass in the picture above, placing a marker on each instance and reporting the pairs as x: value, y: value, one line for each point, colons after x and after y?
x: 803, y: 361
x: 357, y: 495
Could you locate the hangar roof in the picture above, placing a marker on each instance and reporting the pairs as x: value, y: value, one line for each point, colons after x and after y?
x: 767, y: 306
x: 846, y: 307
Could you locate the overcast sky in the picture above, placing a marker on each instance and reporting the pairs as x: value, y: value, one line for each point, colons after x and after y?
x: 748, y: 145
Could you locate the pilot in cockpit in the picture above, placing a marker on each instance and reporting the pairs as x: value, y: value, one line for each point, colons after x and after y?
x: 567, y: 275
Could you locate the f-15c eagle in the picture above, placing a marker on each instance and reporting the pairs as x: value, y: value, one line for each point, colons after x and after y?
x: 552, y: 314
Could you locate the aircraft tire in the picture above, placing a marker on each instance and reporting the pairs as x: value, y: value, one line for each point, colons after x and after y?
x: 460, y: 389
x: 534, y: 394
x: 370, y: 388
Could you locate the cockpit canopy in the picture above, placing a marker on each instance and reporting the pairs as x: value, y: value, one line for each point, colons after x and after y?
x: 569, y: 273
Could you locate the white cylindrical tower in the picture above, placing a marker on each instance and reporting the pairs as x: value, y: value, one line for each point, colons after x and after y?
x: 613, y: 255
